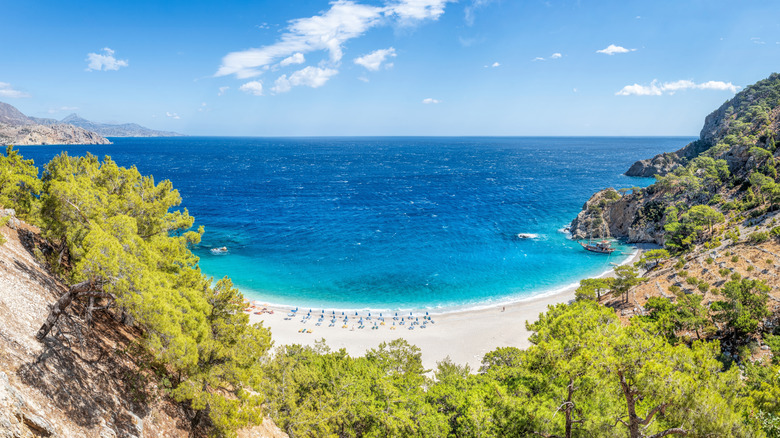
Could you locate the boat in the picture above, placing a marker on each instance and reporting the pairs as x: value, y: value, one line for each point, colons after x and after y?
x: 603, y: 247
x: 217, y: 251
x: 527, y: 236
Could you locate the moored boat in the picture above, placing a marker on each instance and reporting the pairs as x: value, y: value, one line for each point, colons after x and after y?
x: 603, y: 247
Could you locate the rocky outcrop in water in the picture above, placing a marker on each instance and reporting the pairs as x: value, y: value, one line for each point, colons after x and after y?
x: 633, y: 217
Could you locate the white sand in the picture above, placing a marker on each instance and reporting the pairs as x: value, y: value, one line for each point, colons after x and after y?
x: 463, y: 335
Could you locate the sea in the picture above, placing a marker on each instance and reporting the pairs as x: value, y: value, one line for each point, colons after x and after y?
x: 396, y: 223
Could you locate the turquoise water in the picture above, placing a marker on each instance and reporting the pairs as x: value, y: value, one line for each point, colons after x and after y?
x: 388, y: 223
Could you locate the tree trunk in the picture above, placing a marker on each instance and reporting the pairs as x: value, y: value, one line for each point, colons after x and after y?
x: 61, y: 305
x: 633, y: 419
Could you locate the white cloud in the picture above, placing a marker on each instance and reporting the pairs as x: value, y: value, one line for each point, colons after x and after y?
x: 328, y: 31
x: 296, y: 58
x: 657, y: 89
x: 430, y: 100
x: 555, y: 55
x: 202, y: 107
x: 373, y: 61
x: 363, y: 79
x: 172, y: 115
x: 495, y: 64
x: 105, y: 61
x: 613, y: 49
x: 409, y: 11
x: 222, y: 90
x: 313, y: 77
x: 252, y: 87
x: 471, y: 9
x: 7, y: 91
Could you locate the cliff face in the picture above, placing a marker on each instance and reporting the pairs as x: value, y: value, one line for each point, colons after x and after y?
x: 83, y: 381
x: 18, y: 129
x: 633, y: 217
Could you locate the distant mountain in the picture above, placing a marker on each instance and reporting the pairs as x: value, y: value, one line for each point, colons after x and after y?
x: 12, y: 116
x: 120, y: 130
x: 18, y: 129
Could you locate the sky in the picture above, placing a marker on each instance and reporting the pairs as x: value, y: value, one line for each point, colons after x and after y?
x: 388, y: 67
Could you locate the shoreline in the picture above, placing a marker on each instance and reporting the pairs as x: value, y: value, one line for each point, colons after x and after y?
x: 446, y: 308
x: 463, y: 335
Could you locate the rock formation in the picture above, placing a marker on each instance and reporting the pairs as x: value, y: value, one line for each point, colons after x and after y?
x: 718, y: 126
x: 18, y: 129
x: 731, y: 133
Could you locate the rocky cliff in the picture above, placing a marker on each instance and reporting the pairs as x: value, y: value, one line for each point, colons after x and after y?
x: 55, y: 134
x: 744, y: 132
x: 730, y: 125
x: 85, y: 381
x: 18, y: 129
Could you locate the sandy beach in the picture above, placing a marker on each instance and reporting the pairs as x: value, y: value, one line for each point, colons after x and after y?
x: 463, y: 335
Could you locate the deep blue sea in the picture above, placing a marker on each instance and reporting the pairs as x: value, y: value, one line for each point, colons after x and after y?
x: 388, y: 223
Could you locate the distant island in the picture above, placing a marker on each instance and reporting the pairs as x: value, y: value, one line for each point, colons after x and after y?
x: 19, y: 129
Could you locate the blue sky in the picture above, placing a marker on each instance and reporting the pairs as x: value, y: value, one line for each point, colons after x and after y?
x: 387, y: 67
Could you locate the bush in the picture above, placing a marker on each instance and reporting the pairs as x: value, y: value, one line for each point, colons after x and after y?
x: 692, y: 281
x: 735, y: 276
x: 758, y: 237
x: 735, y: 259
x: 704, y: 287
x: 710, y: 260
x: 674, y: 289
x: 724, y: 272
x: 681, y: 264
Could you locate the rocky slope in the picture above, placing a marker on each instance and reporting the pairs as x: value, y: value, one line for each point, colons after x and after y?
x: 725, y: 126
x: 731, y: 133
x: 18, y: 129
x: 55, y: 134
x: 82, y: 381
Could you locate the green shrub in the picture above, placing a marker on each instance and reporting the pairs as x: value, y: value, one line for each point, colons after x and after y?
x: 704, y: 287
x: 735, y: 259
x: 758, y: 237
x: 710, y: 260
x: 735, y: 276
x: 724, y: 272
